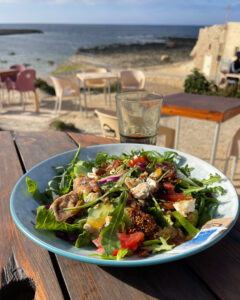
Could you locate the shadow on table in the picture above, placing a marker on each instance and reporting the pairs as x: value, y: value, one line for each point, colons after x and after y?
x: 153, y: 280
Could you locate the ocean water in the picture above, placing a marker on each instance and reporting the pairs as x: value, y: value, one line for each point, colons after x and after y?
x: 59, y: 41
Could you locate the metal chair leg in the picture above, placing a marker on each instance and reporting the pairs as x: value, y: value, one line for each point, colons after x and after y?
x: 80, y: 102
x: 22, y: 101
x: 226, y: 165
x: 56, y: 105
x: 234, y: 165
x: 105, y: 96
x: 59, y: 106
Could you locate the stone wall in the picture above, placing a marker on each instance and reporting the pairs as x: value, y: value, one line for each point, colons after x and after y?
x: 214, y: 44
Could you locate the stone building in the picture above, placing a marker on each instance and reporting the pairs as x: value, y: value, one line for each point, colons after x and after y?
x: 216, y: 48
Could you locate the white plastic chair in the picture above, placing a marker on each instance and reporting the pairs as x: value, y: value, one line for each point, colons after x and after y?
x: 233, y: 150
x: 109, y: 125
x: 96, y: 83
x: 132, y: 80
x: 65, y: 89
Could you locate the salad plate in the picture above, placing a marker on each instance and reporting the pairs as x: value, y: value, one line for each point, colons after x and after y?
x: 23, y: 205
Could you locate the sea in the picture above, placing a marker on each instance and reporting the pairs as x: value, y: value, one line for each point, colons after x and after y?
x: 60, y: 41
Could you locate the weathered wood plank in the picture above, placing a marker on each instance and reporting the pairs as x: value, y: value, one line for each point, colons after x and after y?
x: 90, y: 140
x: 219, y: 266
x: 86, y: 281
x: 35, y: 261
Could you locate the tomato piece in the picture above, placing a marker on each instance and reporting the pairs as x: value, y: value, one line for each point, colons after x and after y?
x: 169, y: 187
x: 131, y: 241
x: 97, y: 241
x: 173, y: 197
x: 115, y: 252
x: 168, y: 205
x: 136, y: 159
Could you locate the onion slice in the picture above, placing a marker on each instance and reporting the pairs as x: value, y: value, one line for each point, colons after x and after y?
x: 109, y: 178
x: 142, y: 166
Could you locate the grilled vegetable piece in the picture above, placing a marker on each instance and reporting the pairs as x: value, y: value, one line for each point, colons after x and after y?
x: 69, y: 200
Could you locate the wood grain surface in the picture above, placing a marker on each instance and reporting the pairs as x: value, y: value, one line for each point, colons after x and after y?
x: 35, y: 260
x: 86, y: 281
x: 211, y: 108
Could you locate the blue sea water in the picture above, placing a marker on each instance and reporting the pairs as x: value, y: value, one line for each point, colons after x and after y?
x: 60, y: 41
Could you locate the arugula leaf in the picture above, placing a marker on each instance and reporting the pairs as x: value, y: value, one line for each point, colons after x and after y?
x: 170, y: 156
x: 41, y: 198
x: 100, y: 158
x: 62, y: 183
x: 204, y: 217
x: 82, y: 167
x: 104, y: 256
x: 153, y: 156
x: 192, y: 190
x: 45, y: 219
x: 185, y: 178
x: 158, y: 214
x: 89, y: 204
x: 109, y: 234
x: 191, y: 230
x: 154, y: 247
x: 212, y: 179
x: 84, y: 239
x: 186, y: 170
x: 217, y: 190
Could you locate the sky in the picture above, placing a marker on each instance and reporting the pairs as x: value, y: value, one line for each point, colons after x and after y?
x: 152, y: 12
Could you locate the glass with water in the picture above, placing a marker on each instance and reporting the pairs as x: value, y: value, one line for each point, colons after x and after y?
x: 138, y: 116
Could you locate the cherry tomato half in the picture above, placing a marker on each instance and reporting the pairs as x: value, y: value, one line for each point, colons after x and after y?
x: 136, y: 159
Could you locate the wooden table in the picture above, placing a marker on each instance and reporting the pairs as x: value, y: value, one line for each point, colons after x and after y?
x: 212, y: 274
x: 85, y: 76
x: 210, y: 108
x: 8, y: 72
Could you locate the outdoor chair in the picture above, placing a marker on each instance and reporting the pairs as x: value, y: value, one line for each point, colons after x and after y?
x: 13, y: 78
x: 25, y: 82
x: 109, y: 125
x: 132, y: 80
x: 233, y: 150
x: 65, y: 89
x: 96, y: 83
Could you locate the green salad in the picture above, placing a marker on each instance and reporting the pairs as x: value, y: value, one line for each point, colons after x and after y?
x: 137, y: 203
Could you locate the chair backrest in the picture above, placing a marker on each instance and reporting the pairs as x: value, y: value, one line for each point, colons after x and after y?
x: 95, y: 81
x: 26, y: 80
x: 62, y: 84
x: 234, y: 146
x: 132, y: 80
x: 109, y: 124
x: 20, y: 68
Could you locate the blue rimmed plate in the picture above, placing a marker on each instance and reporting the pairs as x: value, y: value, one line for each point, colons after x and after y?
x: 22, y: 204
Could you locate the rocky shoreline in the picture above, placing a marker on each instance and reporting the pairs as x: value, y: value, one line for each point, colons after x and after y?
x: 19, y: 31
x: 166, y: 43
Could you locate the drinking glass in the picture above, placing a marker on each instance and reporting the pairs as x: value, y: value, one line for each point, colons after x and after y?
x: 138, y: 116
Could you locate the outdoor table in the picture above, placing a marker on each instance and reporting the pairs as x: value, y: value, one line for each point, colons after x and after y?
x: 83, y: 77
x: 211, y: 108
x: 8, y: 72
x: 211, y: 274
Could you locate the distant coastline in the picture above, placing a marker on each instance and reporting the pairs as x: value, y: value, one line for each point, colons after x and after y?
x: 19, y: 31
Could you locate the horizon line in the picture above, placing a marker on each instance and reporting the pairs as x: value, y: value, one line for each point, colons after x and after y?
x: 103, y: 24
